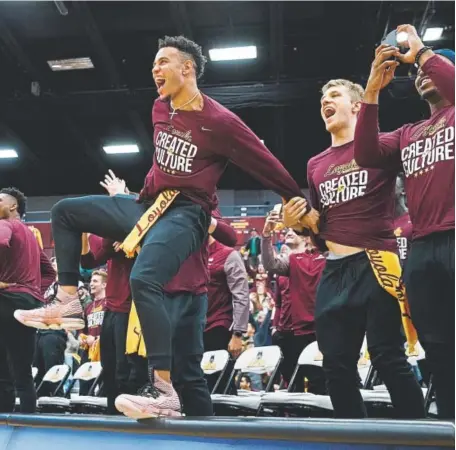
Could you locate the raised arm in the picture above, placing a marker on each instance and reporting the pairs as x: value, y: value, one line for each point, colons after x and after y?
x: 279, y: 264
x: 372, y: 148
x: 441, y: 72
x: 439, y: 69
x: 252, y: 156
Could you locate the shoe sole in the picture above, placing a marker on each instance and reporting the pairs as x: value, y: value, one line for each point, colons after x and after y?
x: 64, y: 324
x: 132, y: 410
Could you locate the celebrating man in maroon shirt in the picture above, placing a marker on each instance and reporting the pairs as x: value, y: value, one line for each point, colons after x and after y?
x: 303, y: 267
x: 25, y: 274
x: 425, y: 152
x: 195, y: 137
x: 355, y: 297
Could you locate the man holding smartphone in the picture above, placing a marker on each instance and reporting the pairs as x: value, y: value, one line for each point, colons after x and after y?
x: 425, y: 152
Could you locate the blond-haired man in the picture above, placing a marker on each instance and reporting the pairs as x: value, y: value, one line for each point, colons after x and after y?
x: 356, y: 209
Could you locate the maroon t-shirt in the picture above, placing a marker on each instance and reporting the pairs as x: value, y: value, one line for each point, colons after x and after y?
x: 22, y: 262
x: 118, y: 293
x: 403, y: 231
x: 193, y: 148
x: 282, y: 318
x: 193, y: 275
x: 94, y: 313
x: 305, y: 273
x: 356, y: 205
x: 423, y: 150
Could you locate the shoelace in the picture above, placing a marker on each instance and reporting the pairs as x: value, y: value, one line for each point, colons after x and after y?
x: 52, y: 302
x: 149, y: 390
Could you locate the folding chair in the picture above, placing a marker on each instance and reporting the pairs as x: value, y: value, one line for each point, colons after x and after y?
x: 91, y: 403
x: 56, y: 375
x: 299, y: 404
x: 215, y: 362
x: 258, y: 360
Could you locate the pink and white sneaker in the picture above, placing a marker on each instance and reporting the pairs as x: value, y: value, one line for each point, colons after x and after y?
x: 64, y: 312
x: 154, y: 400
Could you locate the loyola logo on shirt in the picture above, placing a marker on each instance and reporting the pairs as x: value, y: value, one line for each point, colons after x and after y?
x: 175, y: 154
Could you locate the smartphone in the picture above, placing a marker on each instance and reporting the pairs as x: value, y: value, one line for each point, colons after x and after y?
x: 396, y: 40
x: 278, y: 208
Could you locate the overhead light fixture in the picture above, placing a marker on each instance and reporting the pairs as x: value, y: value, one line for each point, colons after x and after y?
x: 7, y: 153
x: 117, y: 149
x: 58, y: 65
x: 233, y: 53
x: 433, y: 34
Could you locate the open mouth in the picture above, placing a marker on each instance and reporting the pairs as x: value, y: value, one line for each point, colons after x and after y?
x: 160, y: 82
x: 328, y: 112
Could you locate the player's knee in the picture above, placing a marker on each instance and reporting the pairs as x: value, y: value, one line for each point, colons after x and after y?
x: 60, y: 208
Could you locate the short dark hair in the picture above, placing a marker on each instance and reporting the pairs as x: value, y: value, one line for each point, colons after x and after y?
x: 191, y: 49
x: 19, y: 196
x: 247, y: 378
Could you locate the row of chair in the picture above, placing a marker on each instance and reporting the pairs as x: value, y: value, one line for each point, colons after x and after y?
x: 262, y: 360
x: 258, y: 360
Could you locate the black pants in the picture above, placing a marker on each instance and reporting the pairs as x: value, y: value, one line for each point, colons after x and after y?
x: 115, y: 363
x: 187, y: 315
x: 49, y: 351
x: 350, y: 303
x: 174, y: 237
x: 218, y: 338
x: 17, y: 345
x: 429, y: 279
x: 291, y: 347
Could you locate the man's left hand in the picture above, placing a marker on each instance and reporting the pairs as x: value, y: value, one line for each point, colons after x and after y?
x: 413, y: 42
x: 235, y: 346
x: 5, y: 285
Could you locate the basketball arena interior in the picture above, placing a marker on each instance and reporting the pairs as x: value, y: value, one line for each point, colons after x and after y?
x: 76, y: 93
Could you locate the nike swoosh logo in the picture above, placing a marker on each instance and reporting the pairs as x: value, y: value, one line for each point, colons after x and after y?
x: 205, y: 129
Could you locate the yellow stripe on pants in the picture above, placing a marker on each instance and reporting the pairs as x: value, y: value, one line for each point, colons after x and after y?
x: 388, y: 271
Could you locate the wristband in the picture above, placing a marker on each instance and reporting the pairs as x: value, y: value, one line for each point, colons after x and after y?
x: 420, y: 53
x: 238, y: 334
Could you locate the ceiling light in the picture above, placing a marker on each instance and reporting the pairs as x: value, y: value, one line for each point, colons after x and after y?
x: 7, y: 153
x: 58, y: 65
x: 117, y: 149
x: 233, y: 53
x: 433, y: 34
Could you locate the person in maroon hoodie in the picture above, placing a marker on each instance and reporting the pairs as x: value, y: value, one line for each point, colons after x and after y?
x: 195, y: 137
x: 25, y: 274
x: 425, y: 152
x: 303, y: 266
x: 120, y: 371
x: 228, y: 295
x: 356, y: 208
